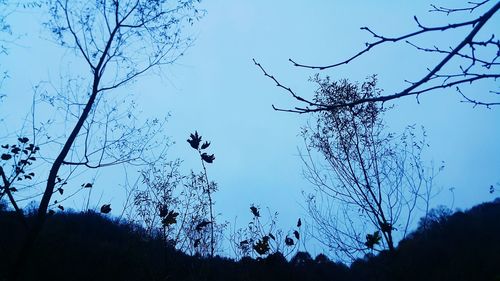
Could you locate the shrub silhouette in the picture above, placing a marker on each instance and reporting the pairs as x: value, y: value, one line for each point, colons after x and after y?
x: 93, y: 246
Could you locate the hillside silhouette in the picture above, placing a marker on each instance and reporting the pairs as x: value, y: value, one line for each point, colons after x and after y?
x: 91, y: 246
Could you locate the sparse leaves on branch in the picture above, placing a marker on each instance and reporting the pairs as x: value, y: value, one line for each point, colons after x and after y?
x: 16, y: 159
x: 194, y: 141
x: 366, y: 176
x: 263, y: 238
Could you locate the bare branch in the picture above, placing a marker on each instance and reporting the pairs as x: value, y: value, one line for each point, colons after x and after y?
x: 476, y: 102
x: 474, y: 5
x: 383, y: 39
x: 477, y: 67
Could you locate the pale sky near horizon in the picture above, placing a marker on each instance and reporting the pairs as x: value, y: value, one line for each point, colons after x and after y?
x: 217, y: 90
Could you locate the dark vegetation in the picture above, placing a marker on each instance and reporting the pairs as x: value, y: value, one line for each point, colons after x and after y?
x: 91, y: 246
x: 175, y: 234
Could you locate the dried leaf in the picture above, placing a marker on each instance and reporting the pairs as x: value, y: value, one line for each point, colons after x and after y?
x: 202, y: 224
x: 205, y: 145
x: 262, y: 246
x: 163, y: 211
x: 6, y: 156
x: 106, y: 208
x: 207, y: 158
x: 171, y: 218
x: 194, y: 140
x: 373, y: 239
x: 255, y: 211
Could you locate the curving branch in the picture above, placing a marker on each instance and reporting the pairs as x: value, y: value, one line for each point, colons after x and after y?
x: 478, y: 61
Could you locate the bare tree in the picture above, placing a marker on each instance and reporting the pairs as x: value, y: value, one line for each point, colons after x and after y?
x: 371, y: 183
x: 118, y: 40
x: 473, y: 59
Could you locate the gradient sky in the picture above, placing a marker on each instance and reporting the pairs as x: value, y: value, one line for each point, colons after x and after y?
x: 218, y: 91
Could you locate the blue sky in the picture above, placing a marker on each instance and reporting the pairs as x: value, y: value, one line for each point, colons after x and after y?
x: 217, y: 90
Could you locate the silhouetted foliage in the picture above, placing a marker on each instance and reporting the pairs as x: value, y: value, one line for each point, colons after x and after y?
x: 91, y: 246
x: 435, y: 216
x: 117, y: 41
x: 261, y: 238
x: 3, y: 205
x: 370, y: 182
x: 175, y: 208
x: 106, y: 208
x: 459, y: 246
x: 208, y: 189
x: 302, y: 259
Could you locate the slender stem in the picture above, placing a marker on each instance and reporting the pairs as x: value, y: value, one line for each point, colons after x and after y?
x: 210, y: 203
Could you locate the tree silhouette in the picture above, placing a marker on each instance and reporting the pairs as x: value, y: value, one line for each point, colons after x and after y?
x: 118, y: 41
x: 371, y: 182
x: 473, y: 59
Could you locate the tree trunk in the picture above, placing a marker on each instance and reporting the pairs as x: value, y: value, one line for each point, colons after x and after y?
x: 41, y: 216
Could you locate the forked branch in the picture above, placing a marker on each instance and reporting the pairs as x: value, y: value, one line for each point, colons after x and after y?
x: 480, y: 57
